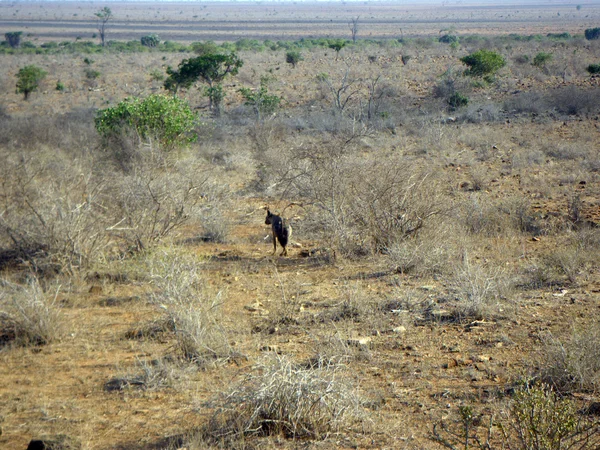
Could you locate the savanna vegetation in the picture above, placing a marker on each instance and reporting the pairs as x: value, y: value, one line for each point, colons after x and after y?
x: 443, y: 277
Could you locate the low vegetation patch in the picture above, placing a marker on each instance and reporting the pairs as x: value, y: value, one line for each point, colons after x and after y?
x: 281, y: 398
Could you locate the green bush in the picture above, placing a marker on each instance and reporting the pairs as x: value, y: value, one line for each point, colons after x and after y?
x: 593, y: 69
x: 169, y: 119
x: 539, y: 419
x: 152, y: 40
x: 293, y: 57
x: 483, y: 63
x: 457, y: 100
x: 448, y: 39
x: 592, y: 33
x: 91, y: 74
x: 204, y: 48
x: 260, y: 100
x: 13, y: 38
x: 541, y: 59
x: 28, y: 79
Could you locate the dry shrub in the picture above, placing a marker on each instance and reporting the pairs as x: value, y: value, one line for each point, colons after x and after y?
x: 193, y: 309
x: 572, y: 364
x: 571, y: 260
x: 72, y: 132
x: 148, y: 375
x: 281, y: 398
x: 434, y: 251
x: 151, y: 202
x: 53, y: 214
x: 490, y: 217
x: 481, y: 291
x: 28, y: 315
x: 362, y: 205
x: 573, y: 100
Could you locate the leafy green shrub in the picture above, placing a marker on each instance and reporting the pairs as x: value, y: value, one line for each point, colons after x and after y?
x: 593, y: 69
x: 592, y: 33
x: 169, y: 119
x: 204, y: 48
x: 293, y: 57
x: 28, y: 79
x: 91, y: 74
x: 458, y: 100
x: 483, y: 62
x: 13, y: 38
x: 152, y: 40
x: 448, y: 39
x: 559, y: 35
x: 260, y: 100
x: 60, y: 86
x: 541, y: 59
x: 539, y: 419
x: 337, y: 45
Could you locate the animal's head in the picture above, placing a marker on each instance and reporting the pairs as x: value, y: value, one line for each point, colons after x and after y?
x: 269, y: 217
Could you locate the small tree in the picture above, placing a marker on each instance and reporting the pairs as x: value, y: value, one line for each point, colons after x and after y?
x: 541, y: 59
x: 13, y: 38
x: 28, y: 79
x: 593, y: 69
x: 483, y: 63
x: 592, y: 34
x: 293, y: 57
x: 260, y: 100
x: 457, y: 100
x: 337, y: 45
x: 353, y: 24
x: 152, y: 40
x: 103, y: 16
x: 210, y: 68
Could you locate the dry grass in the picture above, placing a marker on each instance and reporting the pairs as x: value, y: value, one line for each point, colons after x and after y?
x: 28, y: 315
x: 281, y: 398
x: 434, y: 254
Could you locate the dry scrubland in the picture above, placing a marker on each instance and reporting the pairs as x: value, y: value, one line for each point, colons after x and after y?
x: 447, y: 261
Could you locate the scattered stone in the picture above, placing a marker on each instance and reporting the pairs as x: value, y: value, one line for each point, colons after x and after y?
x: 427, y: 287
x: 271, y: 348
x: 450, y: 364
x: 359, y: 342
x: 254, y: 307
x: 480, y: 366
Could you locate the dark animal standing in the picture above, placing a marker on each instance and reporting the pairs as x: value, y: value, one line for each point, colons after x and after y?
x: 281, y: 231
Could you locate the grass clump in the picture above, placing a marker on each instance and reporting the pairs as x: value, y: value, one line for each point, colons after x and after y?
x: 28, y: 316
x: 281, y: 398
x: 190, y: 307
x: 573, y: 363
x: 480, y: 291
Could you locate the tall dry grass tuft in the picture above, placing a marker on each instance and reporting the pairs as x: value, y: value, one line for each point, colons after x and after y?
x: 572, y: 364
x: 189, y: 306
x: 28, y: 315
x: 482, y: 292
x: 281, y: 398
